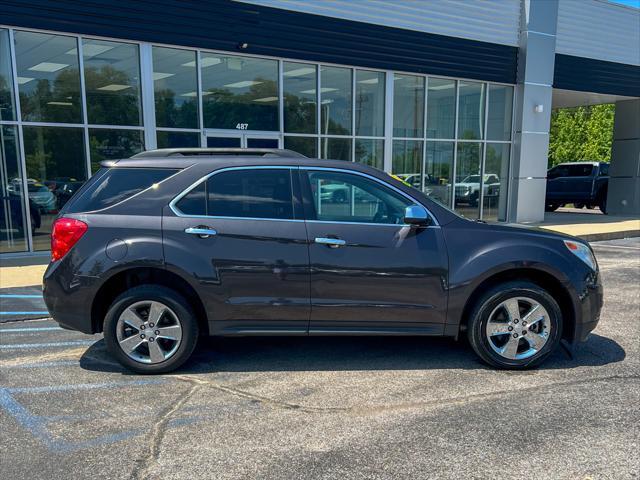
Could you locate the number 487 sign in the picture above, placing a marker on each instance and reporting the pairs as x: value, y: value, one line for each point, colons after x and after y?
x: 242, y: 126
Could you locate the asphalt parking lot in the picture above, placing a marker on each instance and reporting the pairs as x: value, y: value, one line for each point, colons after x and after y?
x: 328, y: 407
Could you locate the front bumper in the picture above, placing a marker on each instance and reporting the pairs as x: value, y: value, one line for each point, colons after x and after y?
x: 590, y: 303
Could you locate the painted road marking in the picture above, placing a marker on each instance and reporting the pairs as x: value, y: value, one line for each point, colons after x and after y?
x: 34, y: 329
x: 24, y: 313
x: 17, y: 295
x: 45, y: 345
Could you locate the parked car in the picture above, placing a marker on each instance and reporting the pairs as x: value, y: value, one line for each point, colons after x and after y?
x: 468, y: 191
x: 585, y: 184
x: 160, y: 249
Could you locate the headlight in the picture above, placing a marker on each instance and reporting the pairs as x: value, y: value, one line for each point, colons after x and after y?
x: 583, y: 252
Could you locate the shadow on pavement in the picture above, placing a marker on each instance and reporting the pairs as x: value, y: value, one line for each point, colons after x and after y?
x: 283, y: 354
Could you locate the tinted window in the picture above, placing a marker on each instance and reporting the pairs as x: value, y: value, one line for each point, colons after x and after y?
x: 341, y: 197
x: 580, y: 170
x: 604, y: 169
x: 116, y: 185
x: 257, y: 193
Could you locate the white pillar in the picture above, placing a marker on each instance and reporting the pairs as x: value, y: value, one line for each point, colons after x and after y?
x: 624, y: 172
x: 536, y: 61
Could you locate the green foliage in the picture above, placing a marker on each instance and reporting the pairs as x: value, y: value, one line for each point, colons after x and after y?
x: 581, y: 133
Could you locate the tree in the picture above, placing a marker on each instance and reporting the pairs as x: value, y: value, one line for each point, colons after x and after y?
x: 581, y: 133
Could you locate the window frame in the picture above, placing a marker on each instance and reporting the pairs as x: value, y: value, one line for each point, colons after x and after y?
x: 308, y: 197
x: 295, y: 201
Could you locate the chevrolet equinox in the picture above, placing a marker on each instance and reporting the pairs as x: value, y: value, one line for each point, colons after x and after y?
x: 169, y: 245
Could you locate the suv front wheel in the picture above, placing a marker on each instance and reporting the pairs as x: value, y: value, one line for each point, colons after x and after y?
x: 151, y: 329
x: 515, y: 325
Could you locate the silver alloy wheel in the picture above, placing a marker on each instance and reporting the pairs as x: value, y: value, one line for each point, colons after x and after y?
x: 149, y: 332
x: 518, y: 328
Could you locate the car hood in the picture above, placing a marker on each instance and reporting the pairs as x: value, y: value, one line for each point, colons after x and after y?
x: 519, y: 228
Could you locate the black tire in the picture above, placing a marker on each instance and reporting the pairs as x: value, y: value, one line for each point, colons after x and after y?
x: 602, y: 203
x: 171, y: 299
x: 551, y: 207
x: 494, y: 297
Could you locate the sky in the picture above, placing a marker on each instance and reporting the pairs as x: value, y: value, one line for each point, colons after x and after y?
x: 629, y: 3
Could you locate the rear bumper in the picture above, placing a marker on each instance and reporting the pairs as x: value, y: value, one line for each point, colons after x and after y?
x: 68, y: 298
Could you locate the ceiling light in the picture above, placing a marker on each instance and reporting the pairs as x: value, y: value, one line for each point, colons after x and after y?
x: 65, y: 104
x: 326, y: 102
x: 114, y: 87
x: 90, y: 50
x: 442, y: 87
x: 245, y: 83
x: 299, y: 72
x: 160, y: 75
x: 189, y: 94
x: 49, y: 67
x: 322, y: 90
x: 204, y: 62
x: 369, y: 81
x: 23, y: 80
x: 266, y: 99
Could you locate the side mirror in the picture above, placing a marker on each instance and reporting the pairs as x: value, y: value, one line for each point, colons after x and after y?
x: 416, y: 215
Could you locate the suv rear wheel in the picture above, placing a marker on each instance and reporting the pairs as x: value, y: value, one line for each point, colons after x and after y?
x: 515, y: 325
x: 151, y: 329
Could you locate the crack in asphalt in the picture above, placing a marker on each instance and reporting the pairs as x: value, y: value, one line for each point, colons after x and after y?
x: 142, y: 466
x: 376, y: 409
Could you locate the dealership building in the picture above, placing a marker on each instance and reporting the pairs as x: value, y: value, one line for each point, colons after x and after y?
x: 453, y: 96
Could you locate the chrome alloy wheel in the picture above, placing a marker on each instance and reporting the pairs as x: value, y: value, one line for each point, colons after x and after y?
x: 518, y: 328
x: 149, y: 332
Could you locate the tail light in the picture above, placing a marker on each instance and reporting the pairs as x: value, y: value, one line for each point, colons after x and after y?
x: 64, y: 235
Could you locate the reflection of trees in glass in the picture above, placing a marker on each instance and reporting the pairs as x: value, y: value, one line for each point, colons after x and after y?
x: 54, y: 152
x: 468, y: 161
x: 6, y: 99
x: 299, y: 114
x: 176, y: 114
x: 57, y: 101
x: 222, y: 108
x: 120, y: 107
x: 113, y: 144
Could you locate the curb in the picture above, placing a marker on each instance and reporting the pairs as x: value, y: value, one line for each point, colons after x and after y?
x: 596, y: 237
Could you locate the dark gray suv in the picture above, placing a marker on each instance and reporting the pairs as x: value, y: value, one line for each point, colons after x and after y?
x: 170, y: 245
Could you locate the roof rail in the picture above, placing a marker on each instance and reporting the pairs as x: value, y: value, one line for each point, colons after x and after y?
x: 241, y: 152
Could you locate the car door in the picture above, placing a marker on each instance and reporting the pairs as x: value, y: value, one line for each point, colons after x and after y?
x: 580, y: 182
x: 369, y: 271
x: 556, y: 183
x: 240, y: 237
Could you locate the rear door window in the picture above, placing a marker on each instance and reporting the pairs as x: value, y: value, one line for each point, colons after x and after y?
x: 115, y: 185
x: 246, y: 193
x: 579, y: 170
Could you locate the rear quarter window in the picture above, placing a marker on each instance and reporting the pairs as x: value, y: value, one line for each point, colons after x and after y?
x: 115, y: 185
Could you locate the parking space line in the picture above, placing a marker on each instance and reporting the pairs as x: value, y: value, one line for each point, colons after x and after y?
x: 25, y: 313
x: 34, y: 329
x: 18, y: 295
x: 45, y: 345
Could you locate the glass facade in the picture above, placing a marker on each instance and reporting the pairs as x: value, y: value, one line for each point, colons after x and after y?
x: 69, y: 102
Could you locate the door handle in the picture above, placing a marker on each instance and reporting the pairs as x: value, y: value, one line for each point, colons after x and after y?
x: 330, y: 242
x: 202, y: 232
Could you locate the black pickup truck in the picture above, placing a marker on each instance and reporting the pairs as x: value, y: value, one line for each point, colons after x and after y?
x: 584, y: 184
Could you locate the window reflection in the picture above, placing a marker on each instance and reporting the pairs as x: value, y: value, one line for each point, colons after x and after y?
x: 13, y: 229
x: 175, y: 85
x: 178, y: 139
x: 7, y: 108
x: 407, y: 161
x: 239, y: 92
x: 471, y: 111
x: 300, y: 99
x: 370, y: 152
x: 467, y: 186
x: 496, y: 178
x: 500, y: 111
x: 441, y: 108
x: 56, y: 168
x: 335, y: 148
x: 111, y: 144
x: 438, y: 171
x: 112, y: 82
x: 369, y: 103
x: 408, y: 106
x: 335, y: 100
x: 48, y: 77
x: 307, y: 146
